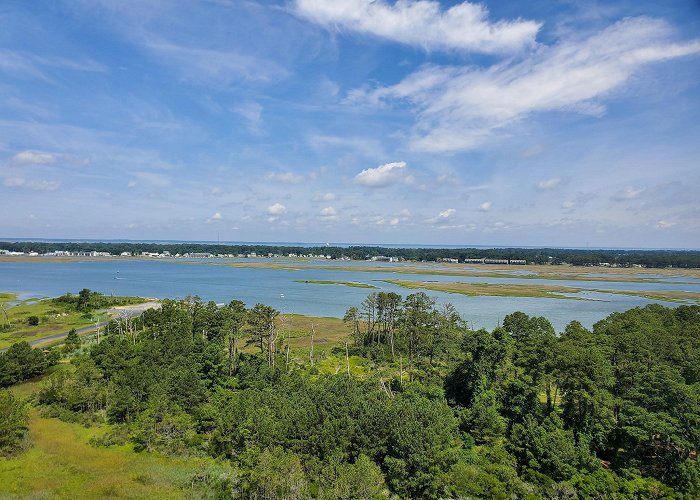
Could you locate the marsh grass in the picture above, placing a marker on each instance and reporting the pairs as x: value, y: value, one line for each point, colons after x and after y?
x: 61, y: 463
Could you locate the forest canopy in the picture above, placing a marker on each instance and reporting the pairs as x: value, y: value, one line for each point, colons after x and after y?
x: 445, y: 411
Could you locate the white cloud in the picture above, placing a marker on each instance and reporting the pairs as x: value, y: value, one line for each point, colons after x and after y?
x: 33, y: 158
x: 485, y: 207
x: 328, y: 214
x: 325, y: 197
x: 549, y: 183
x: 422, y: 23
x: 394, y: 221
x: 462, y: 107
x: 214, y: 218
x: 276, y: 209
x: 663, y: 224
x: 284, y: 177
x: 131, y: 184
x: 446, y: 214
x: 383, y: 175
x: 19, y: 182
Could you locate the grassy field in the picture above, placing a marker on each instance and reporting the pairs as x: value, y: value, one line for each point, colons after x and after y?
x: 353, y: 284
x: 330, y: 332
x: 54, y: 317
x: 62, y: 463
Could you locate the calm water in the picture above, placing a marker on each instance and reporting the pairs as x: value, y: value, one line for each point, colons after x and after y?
x: 213, y: 281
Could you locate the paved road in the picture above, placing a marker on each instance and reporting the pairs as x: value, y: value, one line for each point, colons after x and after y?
x: 116, y: 312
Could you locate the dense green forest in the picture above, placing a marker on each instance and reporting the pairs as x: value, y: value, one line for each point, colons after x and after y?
x: 581, y: 257
x: 446, y: 412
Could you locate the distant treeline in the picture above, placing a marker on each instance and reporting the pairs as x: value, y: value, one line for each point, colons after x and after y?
x: 581, y: 257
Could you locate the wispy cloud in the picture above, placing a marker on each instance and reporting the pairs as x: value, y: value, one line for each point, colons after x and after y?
x: 366, y: 146
x: 34, y: 185
x: 628, y: 193
x: 36, y: 66
x: 549, y: 183
x: 39, y: 158
x: 423, y: 23
x: 284, y: 177
x: 214, y: 67
x: 33, y: 158
x: 252, y: 113
x: 155, y: 179
x: 462, y: 107
x: 325, y: 197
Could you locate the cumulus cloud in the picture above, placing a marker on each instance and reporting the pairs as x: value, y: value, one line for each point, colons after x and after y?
x: 214, y: 218
x: 423, y: 23
x: 328, y: 214
x: 446, y: 214
x: 549, y: 183
x: 485, y: 207
x: 284, y: 177
x: 21, y: 183
x: 276, y: 209
x: 383, y: 175
x: 461, y: 107
x: 394, y: 221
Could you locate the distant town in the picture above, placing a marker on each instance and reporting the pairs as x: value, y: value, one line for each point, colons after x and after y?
x: 494, y: 256
x: 207, y: 255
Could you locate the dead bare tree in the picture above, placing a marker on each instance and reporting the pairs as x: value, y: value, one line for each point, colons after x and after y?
x: 311, y: 352
x: 4, y: 312
x: 347, y: 358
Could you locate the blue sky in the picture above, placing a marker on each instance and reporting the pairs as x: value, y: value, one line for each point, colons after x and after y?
x: 568, y: 123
